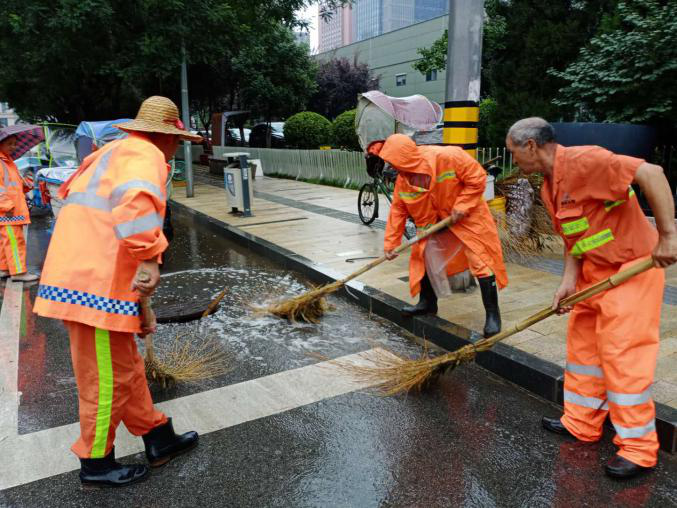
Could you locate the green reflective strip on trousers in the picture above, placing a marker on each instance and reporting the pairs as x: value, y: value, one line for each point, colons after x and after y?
x: 105, y: 405
x: 15, y: 250
x: 410, y: 196
x: 574, y: 227
x: 592, y: 242
x: 447, y: 175
x: 608, y: 205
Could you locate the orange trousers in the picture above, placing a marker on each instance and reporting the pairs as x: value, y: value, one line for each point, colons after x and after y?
x: 112, y: 387
x: 12, y: 249
x: 612, y: 346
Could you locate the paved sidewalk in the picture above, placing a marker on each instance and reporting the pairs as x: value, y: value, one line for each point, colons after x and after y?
x: 321, y: 224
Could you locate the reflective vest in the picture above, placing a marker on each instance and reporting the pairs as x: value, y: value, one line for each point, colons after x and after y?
x: 13, y: 207
x: 433, y: 181
x: 594, y: 208
x: 111, y: 221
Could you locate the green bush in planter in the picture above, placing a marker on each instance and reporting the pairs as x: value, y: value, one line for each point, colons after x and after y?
x: 307, y: 130
x: 343, y: 131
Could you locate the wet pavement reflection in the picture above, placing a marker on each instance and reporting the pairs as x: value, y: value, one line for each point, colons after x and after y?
x: 472, y: 440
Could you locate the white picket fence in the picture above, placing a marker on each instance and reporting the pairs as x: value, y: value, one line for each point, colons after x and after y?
x: 335, y: 166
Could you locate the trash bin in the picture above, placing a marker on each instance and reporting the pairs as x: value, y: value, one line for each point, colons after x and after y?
x: 234, y: 183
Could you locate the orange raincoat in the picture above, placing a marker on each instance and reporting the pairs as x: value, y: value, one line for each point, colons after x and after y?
x: 111, y: 221
x: 612, y: 339
x: 13, y: 216
x: 452, y: 180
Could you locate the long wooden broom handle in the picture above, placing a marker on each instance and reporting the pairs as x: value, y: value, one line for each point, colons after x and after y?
x: 147, y: 317
x: 593, y: 290
x: 430, y: 231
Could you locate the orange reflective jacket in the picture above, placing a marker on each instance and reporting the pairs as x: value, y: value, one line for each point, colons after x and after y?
x: 13, y: 207
x: 111, y: 221
x: 594, y: 208
x: 433, y: 181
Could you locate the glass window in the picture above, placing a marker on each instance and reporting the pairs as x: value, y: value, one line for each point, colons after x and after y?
x: 400, y: 79
x: 431, y: 75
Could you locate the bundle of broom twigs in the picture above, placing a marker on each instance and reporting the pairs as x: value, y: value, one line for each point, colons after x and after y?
x: 312, y: 305
x: 191, y: 357
x: 391, y: 374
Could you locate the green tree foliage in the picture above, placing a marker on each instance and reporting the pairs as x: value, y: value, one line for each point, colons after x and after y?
x: 490, y: 134
x: 628, y: 73
x: 97, y: 59
x: 343, y: 131
x: 338, y: 83
x: 277, y: 76
x: 523, y: 39
x: 434, y: 57
x: 307, y: 130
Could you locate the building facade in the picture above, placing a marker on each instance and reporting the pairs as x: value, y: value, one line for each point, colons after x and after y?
x: 390, y: 57
x: 336, y: 30
x: 376, y: 17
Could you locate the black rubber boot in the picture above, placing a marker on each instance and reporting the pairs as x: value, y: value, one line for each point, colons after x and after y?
x: 427, y: 301
x: 106, y: 472
x: 163, y: 444
x: 555, y: 425
x: 619, y: 467
x: 492, y: 323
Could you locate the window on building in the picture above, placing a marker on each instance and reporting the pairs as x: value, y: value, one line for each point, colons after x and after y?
x: 4, y: 122
x: 431, y: 75
x: 400, y: 79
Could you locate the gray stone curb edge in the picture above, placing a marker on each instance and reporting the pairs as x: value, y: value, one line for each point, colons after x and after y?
x: 540, y: 377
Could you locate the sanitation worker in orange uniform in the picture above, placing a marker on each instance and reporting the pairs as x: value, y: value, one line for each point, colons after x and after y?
x: 109, y: 232
x: 13, y: 216
x: 612, y: 339
x: 433, y: 183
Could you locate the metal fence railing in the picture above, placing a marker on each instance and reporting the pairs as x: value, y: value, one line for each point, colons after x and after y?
x: 337, y: 167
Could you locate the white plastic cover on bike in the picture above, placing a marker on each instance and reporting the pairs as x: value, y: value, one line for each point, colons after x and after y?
x: 440, y: 249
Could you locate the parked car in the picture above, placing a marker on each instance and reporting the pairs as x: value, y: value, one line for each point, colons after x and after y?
x: 235, y: 136
x: 257, y: 137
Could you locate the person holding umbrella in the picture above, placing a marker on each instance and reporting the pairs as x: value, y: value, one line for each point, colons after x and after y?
x: 14, y: 142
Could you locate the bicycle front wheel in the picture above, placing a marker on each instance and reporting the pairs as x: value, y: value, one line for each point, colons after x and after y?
x: 367, y: 203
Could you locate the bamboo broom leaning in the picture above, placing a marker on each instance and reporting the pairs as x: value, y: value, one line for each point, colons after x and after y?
x: 392, y: 374
x: 312, y: 305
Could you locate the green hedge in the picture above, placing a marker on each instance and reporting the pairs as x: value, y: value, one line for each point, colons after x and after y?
x: 343, y: 131
x: 307, y: 130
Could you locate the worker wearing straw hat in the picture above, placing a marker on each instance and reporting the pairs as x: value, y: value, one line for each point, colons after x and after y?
x: 103, y: 256
x: 13, y: 215
x: 612, y: 339
x: 434, y: 183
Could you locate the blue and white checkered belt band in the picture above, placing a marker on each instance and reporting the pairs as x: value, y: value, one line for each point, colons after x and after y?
x: 12, y: 219
x: 101, y: 303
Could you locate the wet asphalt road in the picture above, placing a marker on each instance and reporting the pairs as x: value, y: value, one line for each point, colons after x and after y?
x: 472, y: 440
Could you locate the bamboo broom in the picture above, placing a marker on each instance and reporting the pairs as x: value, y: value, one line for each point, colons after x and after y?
x: 392, y: 374
x: 183, y: 361
x: 311, y: 306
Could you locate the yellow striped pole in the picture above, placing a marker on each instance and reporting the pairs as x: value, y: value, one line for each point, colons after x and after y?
x: 464, y: 67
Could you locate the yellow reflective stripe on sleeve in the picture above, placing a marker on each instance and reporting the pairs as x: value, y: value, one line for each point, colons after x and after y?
x: 592, y: 242
x: 576, y: 226
x: 104, y: 365
x: 608, y: 205
x: 447, y: 175
x: 411, y: 196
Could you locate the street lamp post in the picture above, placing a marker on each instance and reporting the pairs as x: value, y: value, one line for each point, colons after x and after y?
x: 187, y: 154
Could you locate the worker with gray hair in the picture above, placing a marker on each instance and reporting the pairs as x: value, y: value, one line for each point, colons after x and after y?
x: 612, y: 338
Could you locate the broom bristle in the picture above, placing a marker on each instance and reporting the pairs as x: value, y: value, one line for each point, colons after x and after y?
x: 308, y: 307
x: 187, y: 361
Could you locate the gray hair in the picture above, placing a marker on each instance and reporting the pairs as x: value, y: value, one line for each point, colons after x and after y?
x: 532, y: 128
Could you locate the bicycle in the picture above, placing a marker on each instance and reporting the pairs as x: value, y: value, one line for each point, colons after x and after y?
x: 383, y: 180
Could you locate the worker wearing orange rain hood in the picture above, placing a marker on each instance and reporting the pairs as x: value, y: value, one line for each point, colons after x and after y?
x: 13, y: 216
x: 107, y: 240
x: 433, y: 183
x: 612, y: 338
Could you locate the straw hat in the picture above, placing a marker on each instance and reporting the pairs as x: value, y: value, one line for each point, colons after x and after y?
x: 158, y: 114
